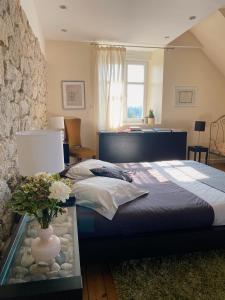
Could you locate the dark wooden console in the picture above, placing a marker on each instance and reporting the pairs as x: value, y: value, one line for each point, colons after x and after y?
x: 142, y: 146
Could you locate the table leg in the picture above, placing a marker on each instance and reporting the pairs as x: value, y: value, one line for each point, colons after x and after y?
x: 199, y: 156
x: 195, y: 155
x: 206, y: 157
x: 188, y: 155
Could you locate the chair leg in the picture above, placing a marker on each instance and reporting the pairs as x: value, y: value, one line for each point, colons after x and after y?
x: 94, y: 156
x: 79, y: 159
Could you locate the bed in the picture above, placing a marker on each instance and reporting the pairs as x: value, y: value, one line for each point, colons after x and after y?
x: 184, y: 211
x: 217, y: 139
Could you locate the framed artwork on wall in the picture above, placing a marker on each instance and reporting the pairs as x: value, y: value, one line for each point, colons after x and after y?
x: 73, y: 94
x: 185, y: 96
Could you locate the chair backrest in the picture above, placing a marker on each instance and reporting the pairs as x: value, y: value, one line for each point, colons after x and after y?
x: 72, y: 127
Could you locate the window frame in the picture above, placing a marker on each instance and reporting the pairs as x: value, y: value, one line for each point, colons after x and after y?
x: 144, y: 63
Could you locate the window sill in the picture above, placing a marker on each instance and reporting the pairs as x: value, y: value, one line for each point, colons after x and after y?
x: 141, y: 124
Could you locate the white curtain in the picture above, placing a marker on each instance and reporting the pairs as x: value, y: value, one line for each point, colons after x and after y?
x: 110, y: 86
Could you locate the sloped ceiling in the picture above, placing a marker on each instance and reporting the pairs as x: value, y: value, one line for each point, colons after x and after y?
x: 187, y: 39
x: 211, y: 34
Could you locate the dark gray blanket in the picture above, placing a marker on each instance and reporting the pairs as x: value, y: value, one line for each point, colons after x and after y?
x: 166, y: 207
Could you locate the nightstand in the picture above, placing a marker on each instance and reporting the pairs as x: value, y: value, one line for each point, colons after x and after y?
x: 60, y: 279
x: 198, y: 150
x: 66, y: 151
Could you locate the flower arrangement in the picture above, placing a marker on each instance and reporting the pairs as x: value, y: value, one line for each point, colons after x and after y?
x: 39, y: 196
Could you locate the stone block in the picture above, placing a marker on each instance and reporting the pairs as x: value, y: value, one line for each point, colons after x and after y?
x: 3, y: 7
x: 2, y: 73
x: 3, y: 33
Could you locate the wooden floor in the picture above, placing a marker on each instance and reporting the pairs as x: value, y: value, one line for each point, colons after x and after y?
x: 98, y: 283
x: 220, y: 166
x: 97, y: 279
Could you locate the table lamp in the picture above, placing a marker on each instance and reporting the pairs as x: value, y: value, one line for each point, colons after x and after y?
x: 57, y: 123
x: 39, y: 151
x: 199, y: 126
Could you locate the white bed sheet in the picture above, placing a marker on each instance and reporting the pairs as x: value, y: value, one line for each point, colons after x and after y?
x: 188, y: 175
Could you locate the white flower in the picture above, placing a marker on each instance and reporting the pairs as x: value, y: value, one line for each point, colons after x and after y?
x: 59, y: 191
x: 40, y: 174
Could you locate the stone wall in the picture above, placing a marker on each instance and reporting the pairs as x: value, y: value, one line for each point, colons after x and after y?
x: 22, y: 94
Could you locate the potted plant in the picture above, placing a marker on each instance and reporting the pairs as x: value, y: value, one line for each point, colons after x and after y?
x: 39, y: 196
x: 151, y: 118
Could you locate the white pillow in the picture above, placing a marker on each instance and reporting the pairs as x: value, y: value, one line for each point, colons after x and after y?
x: 83, y: 168
x: 105, y: 195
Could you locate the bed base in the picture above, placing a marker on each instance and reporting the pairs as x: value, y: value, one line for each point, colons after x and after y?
x: 105, y: 250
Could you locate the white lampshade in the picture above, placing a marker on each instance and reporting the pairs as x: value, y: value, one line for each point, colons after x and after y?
x: 40, y: 151
x: 56, y: 123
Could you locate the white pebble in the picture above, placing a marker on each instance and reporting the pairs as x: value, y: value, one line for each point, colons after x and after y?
x: 66, y: 266
x: 52, y: 274
x: 64, y: 241
x: 20, y: 270
x: 67, y: 236
x: 32, y: 233
x: 69, y: 254
x: 27, y: 260
x: 64, y: 273
x: 27, y: 241
x: 35, y: 269
x: 64, y: 248
x: 51, y: 261
x: 55, y: 267
x: 42, y: 264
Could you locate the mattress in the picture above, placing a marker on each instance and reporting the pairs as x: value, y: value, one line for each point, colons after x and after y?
x: 182, y: 195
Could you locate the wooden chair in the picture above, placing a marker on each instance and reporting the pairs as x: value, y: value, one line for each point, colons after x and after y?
x: 72, y: 128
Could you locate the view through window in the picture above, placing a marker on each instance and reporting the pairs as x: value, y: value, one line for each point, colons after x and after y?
x: 135, y: 92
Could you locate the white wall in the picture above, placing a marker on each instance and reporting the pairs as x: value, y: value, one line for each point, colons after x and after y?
x: 211, y: 33
x: 156, y: 69
x: 32, y: 16
x: 71, y: 61
x: 182, y: 67
x: 191, y: 67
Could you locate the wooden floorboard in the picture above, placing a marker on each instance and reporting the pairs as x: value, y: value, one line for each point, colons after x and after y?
x: 85, y: 286
x: 220, y: 166
x: 98, y: 283
x: 109, y: 284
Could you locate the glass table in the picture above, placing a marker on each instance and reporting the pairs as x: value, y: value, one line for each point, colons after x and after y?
x: 21, y: 277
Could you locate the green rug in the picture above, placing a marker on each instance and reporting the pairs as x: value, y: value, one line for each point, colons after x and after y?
x: 198, y: 276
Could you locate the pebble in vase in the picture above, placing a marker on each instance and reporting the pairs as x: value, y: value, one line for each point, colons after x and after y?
x: 45, y: 247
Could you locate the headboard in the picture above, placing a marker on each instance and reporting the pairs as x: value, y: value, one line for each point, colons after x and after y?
x: 217, y: 134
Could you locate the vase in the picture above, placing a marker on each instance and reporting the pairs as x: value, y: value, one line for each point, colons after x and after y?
x: 45, y: 247
x: 151, y: 122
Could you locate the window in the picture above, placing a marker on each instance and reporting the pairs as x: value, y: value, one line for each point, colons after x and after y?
x: 135, y: 91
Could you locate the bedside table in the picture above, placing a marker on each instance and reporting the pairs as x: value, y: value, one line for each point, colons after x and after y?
x: 61, y: 279
x: 198, y: 150
x: 66, y: 152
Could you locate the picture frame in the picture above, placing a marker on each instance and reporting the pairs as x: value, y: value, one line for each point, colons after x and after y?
x: 185, y: 96
x: 73, y: 94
